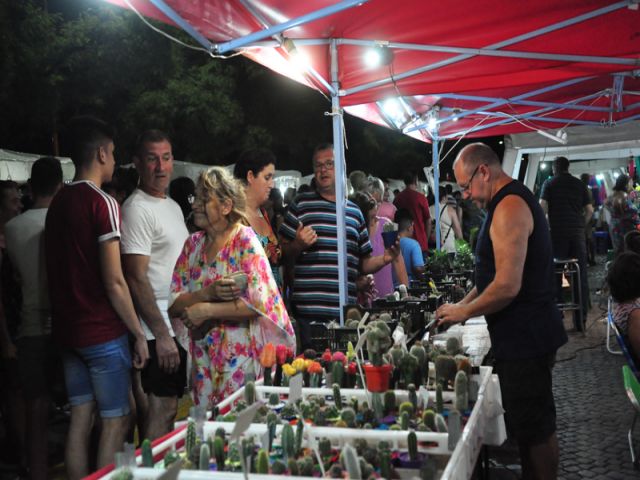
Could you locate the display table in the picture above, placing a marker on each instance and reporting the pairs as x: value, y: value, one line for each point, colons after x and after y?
x: 485, y: 426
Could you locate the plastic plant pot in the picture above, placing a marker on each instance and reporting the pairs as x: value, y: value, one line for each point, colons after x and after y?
x: 389, y: 238
x: 377, y: 377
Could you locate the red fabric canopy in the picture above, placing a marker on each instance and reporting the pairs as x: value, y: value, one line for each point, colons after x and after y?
x: 612, y: 31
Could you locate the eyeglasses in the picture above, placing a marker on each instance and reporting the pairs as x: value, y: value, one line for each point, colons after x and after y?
x: 467, y: 186
x: 328, y: 165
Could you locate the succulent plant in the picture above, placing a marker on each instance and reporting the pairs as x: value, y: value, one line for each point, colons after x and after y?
x: 453, y: 346
x: 336, y: 471
x: 262, y: 462
x: 439, y: 399
x: 454, y: 427
x: 287, y: 440
x: 348, y: 415
x: 378, y: 407
x: 278, y: 467
x: 404, y: 420
x: 299, y: 435
x: 190, y: 438
x: 441, y: 424
x: 462, y: 391
x: 446, y: 369
x: 324, y: 447
x: 408, y: 367
x: 389, y: 402
x: 429, y: 419
x: 218, y: 452
x: 250, y: 393
x: 378, y: 341
x: 292, y: 465
x: 337, y: 396
x: 413, y: 396
x: 351, y: 463
x: 274, y: 399
x: 337, y: 372
x: 406, y: 407
x: 272, y: 421
x: 412, y: 444
x: 385, y: 463
x: 205, y: 455
x: 146, y: 454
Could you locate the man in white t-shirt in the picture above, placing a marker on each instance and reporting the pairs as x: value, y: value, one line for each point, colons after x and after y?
x: 24, y: 236
x: 153, y: 234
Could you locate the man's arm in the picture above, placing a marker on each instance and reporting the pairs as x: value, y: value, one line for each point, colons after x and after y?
x: 369, y: 264
x: 120, y: 298
x: 136, y: 268
x: 510, y: 230
x: 305, y: 237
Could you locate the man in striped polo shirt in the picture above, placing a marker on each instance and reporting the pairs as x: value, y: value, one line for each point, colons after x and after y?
x: 309, y: 241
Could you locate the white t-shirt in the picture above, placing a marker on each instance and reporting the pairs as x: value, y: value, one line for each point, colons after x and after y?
x: 447, y: 235
x: 24, y: 236
x: 154, y: 227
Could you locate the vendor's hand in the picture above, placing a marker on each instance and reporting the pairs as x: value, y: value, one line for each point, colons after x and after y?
x: 451, y: 313
x: 391, y: 253
x: 305, y: 236
x: 196, y: 315
x: 140, y: 355
x: 167, y: 352
x: 224, y: 289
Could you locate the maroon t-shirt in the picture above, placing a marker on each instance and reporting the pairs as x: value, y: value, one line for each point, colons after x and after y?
x: 418, y: 206
x: 79, y: 218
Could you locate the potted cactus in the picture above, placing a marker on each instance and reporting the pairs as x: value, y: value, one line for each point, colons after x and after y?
x: 378, y: 342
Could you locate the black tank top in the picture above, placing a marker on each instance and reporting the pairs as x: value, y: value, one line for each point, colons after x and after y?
x: 531, y: 325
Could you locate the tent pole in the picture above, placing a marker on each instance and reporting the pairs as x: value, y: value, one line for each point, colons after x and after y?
x: 340, y: 176
x: 435, y: 159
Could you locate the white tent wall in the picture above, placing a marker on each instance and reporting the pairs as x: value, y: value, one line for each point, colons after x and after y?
x: 16, y: 166
x: 607, y: 149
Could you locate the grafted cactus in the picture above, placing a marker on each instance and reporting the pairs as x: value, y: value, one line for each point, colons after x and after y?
x: 378, y: 341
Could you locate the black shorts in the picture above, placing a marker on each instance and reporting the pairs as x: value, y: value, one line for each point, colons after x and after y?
x: 162, y: 384
x: 527, y: 398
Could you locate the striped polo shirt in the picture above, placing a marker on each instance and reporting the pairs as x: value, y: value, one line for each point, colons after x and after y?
x: 315, y: 287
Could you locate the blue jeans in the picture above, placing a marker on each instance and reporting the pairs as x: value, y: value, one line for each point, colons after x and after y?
x: 101, y: 373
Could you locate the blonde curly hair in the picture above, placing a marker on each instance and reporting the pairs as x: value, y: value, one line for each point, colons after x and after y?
x: 217, y: 182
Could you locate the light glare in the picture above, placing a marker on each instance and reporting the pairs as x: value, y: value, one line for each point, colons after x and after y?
x: 372, y: 58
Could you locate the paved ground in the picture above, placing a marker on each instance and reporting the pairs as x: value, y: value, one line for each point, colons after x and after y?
x: 594, y: 413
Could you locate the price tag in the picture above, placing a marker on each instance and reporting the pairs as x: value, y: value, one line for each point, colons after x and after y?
x: 172, y: 472
x: 295, y: 388
x: 363, y: 321
x: 361, y: 340
x: 244, y: 420
x: 423, y: 395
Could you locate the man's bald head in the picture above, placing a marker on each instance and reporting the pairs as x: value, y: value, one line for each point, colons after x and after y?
x: 476, y: 154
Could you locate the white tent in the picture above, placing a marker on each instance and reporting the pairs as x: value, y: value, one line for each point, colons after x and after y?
x: 603, y: 150
x: 16, y: 166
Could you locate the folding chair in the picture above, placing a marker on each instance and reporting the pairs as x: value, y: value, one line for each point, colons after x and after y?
x: 610, y: 324
x: 625, y: 351
x: 632, y: 387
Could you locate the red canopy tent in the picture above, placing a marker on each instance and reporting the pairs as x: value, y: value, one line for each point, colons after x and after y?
x: 448, y: 69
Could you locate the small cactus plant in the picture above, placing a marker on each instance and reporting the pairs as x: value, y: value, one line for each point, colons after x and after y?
x: 406, y: 407
x: 389, y: 402
x: 349, y: 416
x: 429, y: 419
x: 272, y: 421
x: 337, y: 373
x: 404, y: 420
x: 278, y: 467
x: 147, y: 455
x: 218, y: 452
x: 299, y: 434
x: 205, y: 455
x: 274, y: 399
x: 262, y: 462
x: 292, y: 465
x: 462, y: 391
x: 378, y: 341
x: 378, y: 408
x: 445, y: 369
x: 337, y: 396
x: 250, y: 393
x: 453, y: 346
x: 412, y: 444
x: 385, y: 463
x: 351, y: 462
x: 439, y: 399
x: 413, y: 396
x: 441, y: 424
x: 324, y: 447
x: 287, y: 439
x: 190, y: 439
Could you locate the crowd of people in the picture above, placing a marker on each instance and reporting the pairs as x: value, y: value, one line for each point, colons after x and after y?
x: 142, y: 287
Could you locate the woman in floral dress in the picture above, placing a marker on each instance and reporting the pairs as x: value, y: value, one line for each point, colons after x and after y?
x: 228, y: 325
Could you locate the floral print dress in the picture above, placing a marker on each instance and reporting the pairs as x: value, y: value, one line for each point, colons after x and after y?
x: 230, y: 349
